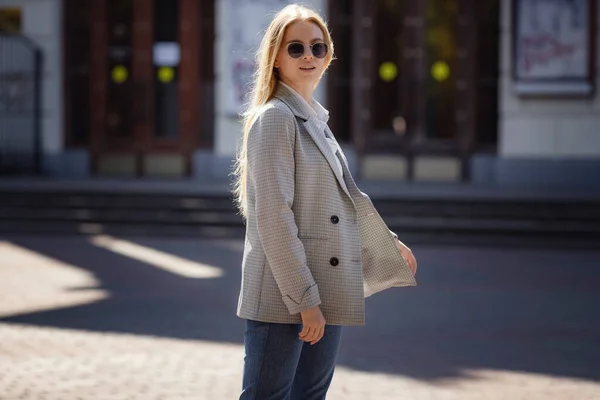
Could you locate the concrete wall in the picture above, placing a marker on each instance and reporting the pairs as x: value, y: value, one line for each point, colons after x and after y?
x: 545, y: 129
x: 42, y: 23
x: 228, y: 129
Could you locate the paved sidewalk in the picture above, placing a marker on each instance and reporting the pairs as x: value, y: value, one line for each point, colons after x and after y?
x: 55, y: 364
x: 84, y: 321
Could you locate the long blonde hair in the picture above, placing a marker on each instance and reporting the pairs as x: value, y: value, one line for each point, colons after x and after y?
x: 265, y: 81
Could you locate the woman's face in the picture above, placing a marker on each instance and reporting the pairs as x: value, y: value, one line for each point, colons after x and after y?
x: 306, y: 69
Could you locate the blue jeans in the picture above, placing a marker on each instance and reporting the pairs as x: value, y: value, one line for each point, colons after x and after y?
x: 278, y: 365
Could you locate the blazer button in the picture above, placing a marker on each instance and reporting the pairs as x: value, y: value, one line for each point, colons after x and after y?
x: 335, y: 219
x: 334, y: 261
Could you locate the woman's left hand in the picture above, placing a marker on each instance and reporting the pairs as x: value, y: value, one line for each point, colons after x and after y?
x: 408, y: 256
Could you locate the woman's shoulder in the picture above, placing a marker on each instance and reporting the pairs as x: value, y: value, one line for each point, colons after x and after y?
x: 275, y: 110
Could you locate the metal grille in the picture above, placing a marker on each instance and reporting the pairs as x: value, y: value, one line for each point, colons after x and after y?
x: 20, y: 105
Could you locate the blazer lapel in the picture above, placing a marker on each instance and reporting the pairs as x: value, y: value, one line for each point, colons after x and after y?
x: 314, y: 130
x: 313, y: 127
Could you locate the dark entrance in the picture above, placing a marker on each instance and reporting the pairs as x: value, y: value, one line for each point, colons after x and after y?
x: 139, y: 83
x: 416, y: 79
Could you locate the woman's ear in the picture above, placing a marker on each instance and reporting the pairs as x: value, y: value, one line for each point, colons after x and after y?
x: 276, y: 65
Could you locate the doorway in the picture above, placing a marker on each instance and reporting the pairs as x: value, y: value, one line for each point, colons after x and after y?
x: 138, y: 99
x: 416, y: 83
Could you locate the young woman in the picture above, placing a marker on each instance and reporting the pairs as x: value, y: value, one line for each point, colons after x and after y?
x: 315, y: 245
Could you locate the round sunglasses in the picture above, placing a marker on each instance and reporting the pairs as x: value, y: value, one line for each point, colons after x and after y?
x: 296, y: 49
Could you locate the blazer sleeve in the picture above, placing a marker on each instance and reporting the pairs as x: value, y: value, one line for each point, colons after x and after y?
x: 271, y: 169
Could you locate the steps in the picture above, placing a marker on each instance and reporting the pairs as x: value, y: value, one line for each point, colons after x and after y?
x: 526, y: 222
x: 417, y: 218
x: 119, y: 214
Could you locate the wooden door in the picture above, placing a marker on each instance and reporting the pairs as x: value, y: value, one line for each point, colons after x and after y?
x: 145, y: 85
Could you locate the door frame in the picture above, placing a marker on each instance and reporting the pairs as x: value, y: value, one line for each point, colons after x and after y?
x: 193, y: 88
x: 415, y: 143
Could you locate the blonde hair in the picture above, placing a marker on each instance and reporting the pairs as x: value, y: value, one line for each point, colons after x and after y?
x: 264, y: 83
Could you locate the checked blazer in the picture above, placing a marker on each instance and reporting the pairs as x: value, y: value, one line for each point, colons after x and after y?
x: 312, y: 237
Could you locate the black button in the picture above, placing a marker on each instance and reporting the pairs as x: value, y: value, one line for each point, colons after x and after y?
x: 335, y: 219
x: 334, y: 261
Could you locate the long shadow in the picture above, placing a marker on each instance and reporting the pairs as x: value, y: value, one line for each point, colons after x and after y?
x: 495, y: 309
x: 144, y: 299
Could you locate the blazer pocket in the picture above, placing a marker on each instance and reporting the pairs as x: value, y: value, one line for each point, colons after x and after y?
x: 313, y: 237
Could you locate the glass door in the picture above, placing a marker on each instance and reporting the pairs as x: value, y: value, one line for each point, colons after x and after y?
x: 431, y: 94
x: 145, y: 78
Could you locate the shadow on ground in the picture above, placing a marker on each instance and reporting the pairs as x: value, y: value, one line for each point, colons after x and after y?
x: 515, y: 310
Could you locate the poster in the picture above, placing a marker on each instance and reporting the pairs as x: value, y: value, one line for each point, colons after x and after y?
x: 552, y: 46
x: 247, y: 21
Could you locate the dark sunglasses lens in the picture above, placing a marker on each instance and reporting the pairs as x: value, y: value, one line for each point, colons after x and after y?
x: 296, y: 50
x: 319, y: 50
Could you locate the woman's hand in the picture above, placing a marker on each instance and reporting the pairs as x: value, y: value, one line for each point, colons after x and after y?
x: 408, y: 256
x: 313, y: 325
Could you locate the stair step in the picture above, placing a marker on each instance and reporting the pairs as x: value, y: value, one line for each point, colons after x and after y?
x: 237, y: 232
x: 547, y: 210
x: 555, y: 209
x: 186, y: 217
x: 492, y: 224
x: 115, y: 201
x: 69, y: 228
x: 418, y: 219
x: 159, y: 216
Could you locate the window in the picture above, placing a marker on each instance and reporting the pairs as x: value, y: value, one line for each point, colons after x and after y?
x: 10, y: 19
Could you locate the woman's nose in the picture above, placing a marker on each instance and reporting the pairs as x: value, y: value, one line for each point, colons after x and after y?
x: 307, y: 52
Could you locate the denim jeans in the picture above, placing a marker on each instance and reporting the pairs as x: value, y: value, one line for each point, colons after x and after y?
x: 280, y: 366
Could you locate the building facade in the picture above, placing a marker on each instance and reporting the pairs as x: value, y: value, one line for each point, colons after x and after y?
x: 498, y: 92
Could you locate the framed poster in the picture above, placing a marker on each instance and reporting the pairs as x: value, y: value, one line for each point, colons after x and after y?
x: 553, y: 47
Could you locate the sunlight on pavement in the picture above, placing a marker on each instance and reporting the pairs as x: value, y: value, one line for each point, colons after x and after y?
x: 55, y: 364
x: 43, y: 283
x: 157, y: 258
x: 49, y: 363
x: 476, y: 384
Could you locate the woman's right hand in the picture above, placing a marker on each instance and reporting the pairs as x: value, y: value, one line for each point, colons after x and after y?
x: 408, y: 256
x: 313, y: 325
